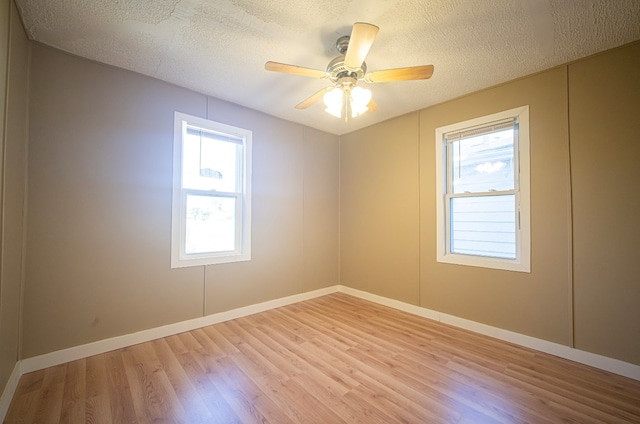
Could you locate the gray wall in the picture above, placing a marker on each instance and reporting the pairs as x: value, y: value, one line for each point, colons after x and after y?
x: 100, y: 173
x: 14, y: 59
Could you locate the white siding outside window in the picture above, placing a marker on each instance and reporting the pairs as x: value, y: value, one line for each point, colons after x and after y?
x: 211, y: 214
x: 482, y: 173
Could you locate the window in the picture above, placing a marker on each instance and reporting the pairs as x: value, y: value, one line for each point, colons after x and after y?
x: 482, y: 174
x: 211, y: 213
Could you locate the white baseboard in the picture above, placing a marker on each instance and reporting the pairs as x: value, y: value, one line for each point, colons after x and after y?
x: 83, y: 351
x: 10, y: 390
x: 598, y: 361
x: 77, y: 352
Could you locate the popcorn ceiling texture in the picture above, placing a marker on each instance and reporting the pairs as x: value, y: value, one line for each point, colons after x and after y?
x: 219, y: 47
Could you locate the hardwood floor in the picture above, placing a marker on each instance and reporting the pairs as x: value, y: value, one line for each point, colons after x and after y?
x: 334, y: 359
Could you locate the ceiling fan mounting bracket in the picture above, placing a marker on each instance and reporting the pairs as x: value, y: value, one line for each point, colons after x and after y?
x: 342, y: 44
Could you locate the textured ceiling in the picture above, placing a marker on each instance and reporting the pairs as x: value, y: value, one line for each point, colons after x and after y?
x: 219, y: 47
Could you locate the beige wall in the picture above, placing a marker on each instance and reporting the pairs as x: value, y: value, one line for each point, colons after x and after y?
x: 536, y: 303
x: 100, y: 199
x: 8, y: 342
x: 379, y: 222
x: 14, y: 59
x: 604, y: 95
x: 598, y: 141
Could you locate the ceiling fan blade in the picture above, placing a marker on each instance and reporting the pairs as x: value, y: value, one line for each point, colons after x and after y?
x: 295, y: 70
x: 400, y: 74
x: 313, y: 99
x: 362, y: 36
x: 372, y: 106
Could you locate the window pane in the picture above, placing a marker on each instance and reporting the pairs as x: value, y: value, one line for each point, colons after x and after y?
x: 211, y: 224
x: 483, y: 163
x: 210, y: 164
x: 484, y: 226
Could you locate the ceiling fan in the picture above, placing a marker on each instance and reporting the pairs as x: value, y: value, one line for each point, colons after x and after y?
x: 344, y: 99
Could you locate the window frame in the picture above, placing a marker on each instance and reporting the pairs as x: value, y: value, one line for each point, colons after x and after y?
x: 179, y: 257
x: 522, y: 261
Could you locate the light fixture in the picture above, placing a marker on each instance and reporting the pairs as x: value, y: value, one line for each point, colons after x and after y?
x: 346, y: 100
x: 333, y: 100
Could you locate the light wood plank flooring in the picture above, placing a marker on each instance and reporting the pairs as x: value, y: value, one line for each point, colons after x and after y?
x: 334, y: 359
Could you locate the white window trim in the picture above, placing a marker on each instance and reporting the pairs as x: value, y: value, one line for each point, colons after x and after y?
x: 178, y: 219
x: 522, y: 262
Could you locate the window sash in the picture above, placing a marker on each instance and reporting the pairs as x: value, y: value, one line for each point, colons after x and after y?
x: 466, y: 133
x: 238, y: 215
x: 240, y: 156
x: 237, y: 195
x: 481, y: 130
x: 449, y: 242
